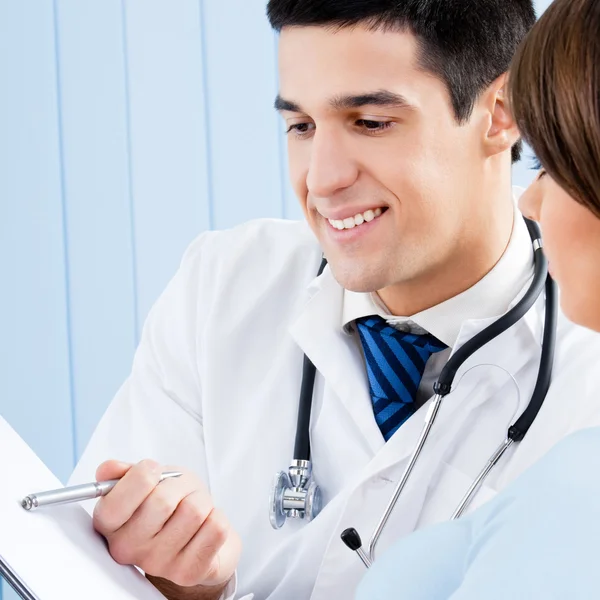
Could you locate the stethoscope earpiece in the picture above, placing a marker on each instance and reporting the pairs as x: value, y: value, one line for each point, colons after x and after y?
x: 351, y: 538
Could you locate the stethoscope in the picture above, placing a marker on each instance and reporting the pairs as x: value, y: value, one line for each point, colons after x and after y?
x: 296, y: 495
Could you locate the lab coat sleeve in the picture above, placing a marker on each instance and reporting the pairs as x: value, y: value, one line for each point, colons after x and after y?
x: 157, y: 413
x: 230, y: 592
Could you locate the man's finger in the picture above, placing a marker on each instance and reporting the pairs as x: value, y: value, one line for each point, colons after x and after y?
x: 198, y: 559
x: 178, y: 531
x: 112, y: 469
x: 157, y: 509
x: 118, y: 506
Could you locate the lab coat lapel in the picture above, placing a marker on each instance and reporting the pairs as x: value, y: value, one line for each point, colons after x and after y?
x: 337, y: 357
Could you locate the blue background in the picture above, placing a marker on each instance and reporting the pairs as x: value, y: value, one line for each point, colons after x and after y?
x: 126, y: 129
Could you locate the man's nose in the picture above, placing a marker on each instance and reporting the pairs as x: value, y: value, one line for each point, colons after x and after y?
x: 331, y: 168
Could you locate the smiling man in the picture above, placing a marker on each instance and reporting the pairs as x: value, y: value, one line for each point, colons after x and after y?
x: 400, y: 149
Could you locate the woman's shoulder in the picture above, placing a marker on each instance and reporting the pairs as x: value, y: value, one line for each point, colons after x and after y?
x: 549, y: 514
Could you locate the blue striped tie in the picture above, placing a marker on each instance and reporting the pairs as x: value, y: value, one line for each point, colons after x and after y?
x: 395, y: 365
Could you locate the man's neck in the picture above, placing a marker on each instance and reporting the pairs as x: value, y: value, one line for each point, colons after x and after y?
x: 472, y: 261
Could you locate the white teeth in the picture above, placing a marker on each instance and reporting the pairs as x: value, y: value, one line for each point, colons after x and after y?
x: 357, y: 220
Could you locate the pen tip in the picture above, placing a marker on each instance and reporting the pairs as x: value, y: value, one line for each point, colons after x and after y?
x: 26, y: 503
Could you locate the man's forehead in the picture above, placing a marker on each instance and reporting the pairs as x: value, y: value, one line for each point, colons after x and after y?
x: 371, y: 58
x: 346, y: 68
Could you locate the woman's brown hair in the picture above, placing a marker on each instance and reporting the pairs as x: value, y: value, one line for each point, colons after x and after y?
x: 554, y: 88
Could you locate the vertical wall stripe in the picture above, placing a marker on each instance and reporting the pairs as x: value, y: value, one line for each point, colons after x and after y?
x: 65, y: 225
x: 136, y: 317
x: 207, y: 122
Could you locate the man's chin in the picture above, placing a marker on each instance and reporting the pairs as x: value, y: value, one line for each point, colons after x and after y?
x: 355, y: 280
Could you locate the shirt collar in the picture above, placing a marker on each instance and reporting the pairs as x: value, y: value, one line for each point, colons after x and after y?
x: 491, y: 297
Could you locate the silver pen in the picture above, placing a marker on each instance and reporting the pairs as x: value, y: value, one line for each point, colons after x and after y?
x: 77, y: 493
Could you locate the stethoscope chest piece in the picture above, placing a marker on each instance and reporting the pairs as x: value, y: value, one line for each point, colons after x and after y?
x: 294, y: 494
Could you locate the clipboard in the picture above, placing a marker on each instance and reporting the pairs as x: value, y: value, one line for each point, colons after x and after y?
x: 54, y: 553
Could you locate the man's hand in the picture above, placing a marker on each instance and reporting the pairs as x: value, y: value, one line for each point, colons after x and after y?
x: 170, y: 530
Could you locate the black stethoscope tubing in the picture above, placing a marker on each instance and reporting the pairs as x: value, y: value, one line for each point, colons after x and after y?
x: 302, y: 445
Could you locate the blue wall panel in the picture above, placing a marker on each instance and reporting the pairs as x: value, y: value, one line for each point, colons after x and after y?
x: 97, y: 195
x: 168, y: 144
x: 245, y: 157
x: 34, y: 328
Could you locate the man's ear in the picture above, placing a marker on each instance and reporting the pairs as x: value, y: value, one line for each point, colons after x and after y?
x: 502, y: 132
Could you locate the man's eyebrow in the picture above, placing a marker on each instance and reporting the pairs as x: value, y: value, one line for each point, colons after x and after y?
x: 382, y: 98
x: 281, y: 104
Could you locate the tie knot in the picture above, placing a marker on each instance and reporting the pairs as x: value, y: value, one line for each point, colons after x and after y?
x: 425, y: 344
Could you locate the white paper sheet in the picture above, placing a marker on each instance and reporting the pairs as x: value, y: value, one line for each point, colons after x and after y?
x: 55, y: 550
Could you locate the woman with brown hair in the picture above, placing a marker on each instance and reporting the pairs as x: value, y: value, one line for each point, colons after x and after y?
x: 540, y: 537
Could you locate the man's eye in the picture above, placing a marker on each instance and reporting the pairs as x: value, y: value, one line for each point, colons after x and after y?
x: 300, y: 129
x: 374, y: 126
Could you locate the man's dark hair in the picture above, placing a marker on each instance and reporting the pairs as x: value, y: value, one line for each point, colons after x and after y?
x: 465, y: 43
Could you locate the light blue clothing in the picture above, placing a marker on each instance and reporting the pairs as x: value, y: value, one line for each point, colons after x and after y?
x: 538, y: 539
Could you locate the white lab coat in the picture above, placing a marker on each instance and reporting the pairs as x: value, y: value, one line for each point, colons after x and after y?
x: 215, y: 388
